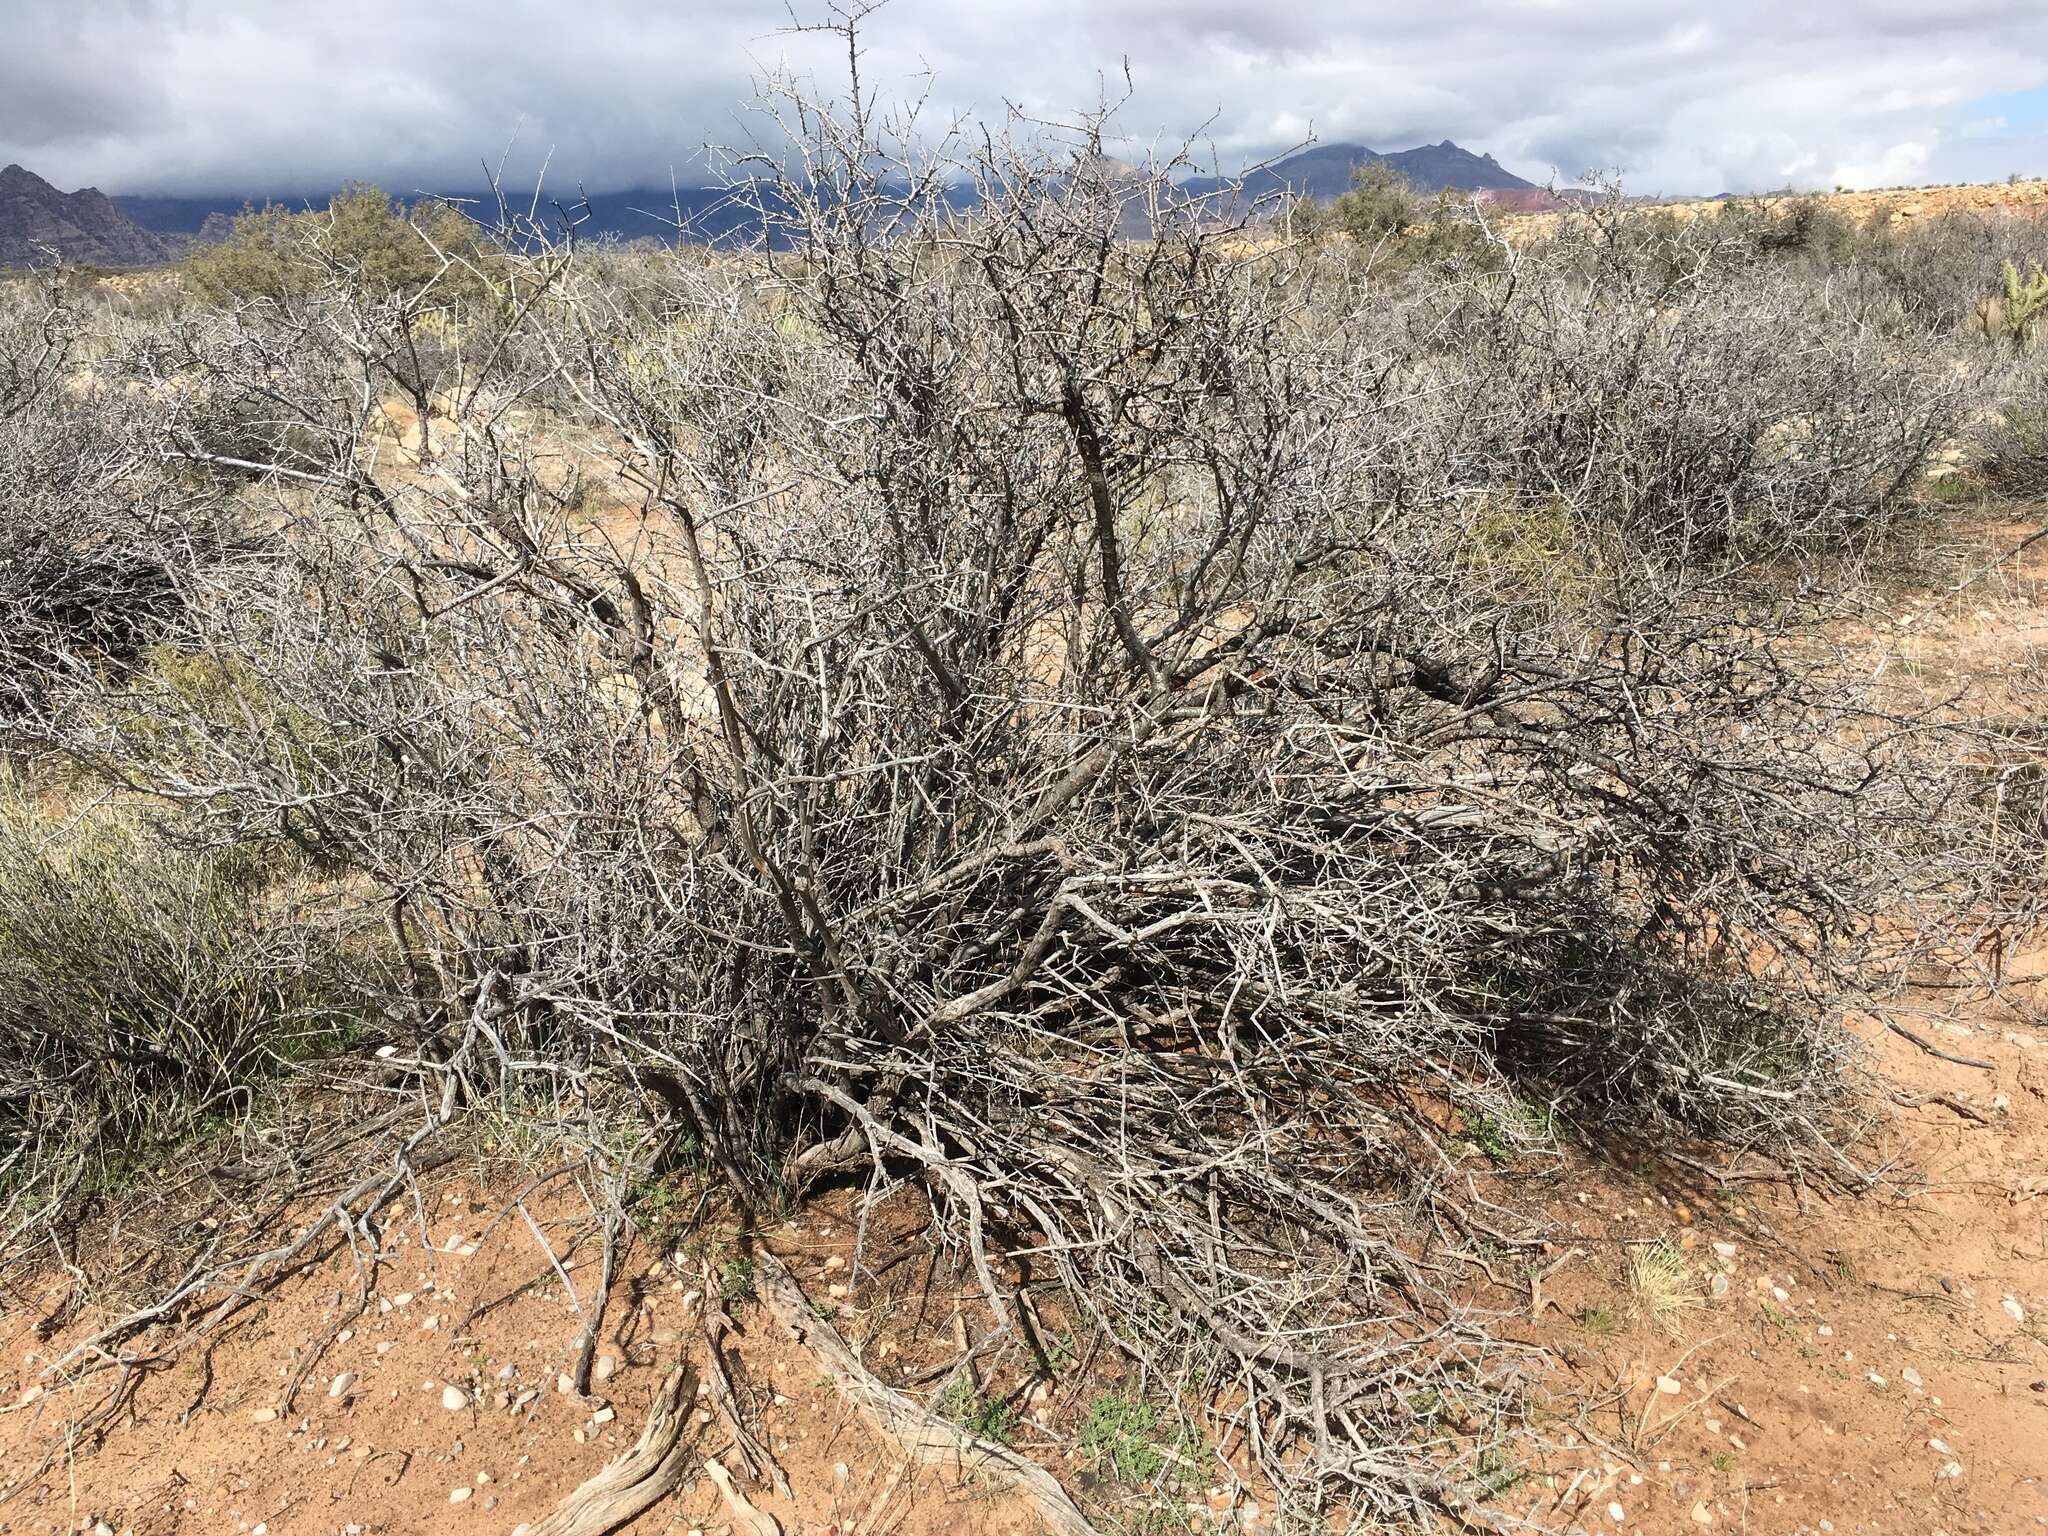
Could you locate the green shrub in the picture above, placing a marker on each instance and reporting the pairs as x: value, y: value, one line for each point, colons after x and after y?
x: 382, y: 247
x: 142, y: 984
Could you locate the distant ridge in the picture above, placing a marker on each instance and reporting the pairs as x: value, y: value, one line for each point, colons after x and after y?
x: 82, y: 228
x: 1324, y: 171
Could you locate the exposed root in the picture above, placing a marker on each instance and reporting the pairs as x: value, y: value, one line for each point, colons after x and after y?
x: 634, y: 1482
x: 922, y: 1437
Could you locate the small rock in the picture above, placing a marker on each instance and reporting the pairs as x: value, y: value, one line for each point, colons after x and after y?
x: 1940, y: 1448
x: 1669, y: 1387
x: 453, y: 1398
x: 1616, y: 1513
x: 603, y: 1368
x: 2013, y: 1309
x: 836, y: 1291
x: 1876, y: 1380
x: 1701, y: 1515
x: 341, y: 1384
x: 1780, y: 1295
x: 1718, y: 1285
x: 459, y: 1495
x: 565, y: 1384
x: 834, y: 1264
x: 1951, y: 1471
x: 507, y: 1371
x: 1911, y: 1377
x: 1725, y: 1250
x: 263, y: 1416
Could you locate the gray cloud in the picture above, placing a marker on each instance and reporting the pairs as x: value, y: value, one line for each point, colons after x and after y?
x: 234, y: 96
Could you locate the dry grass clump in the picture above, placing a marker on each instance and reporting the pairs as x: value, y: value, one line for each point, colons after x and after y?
x: 1663, y: 1290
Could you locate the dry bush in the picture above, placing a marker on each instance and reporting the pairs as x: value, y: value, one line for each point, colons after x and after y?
x: 1045, y: 728
x: 1657, y: 381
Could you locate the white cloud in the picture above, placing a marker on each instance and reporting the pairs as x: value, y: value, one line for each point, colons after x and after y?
x: 254, y: 96
x: 1900, y: 165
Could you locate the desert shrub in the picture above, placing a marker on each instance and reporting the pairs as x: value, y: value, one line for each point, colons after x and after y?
x: 142, y: 986
x: 1107, y: 749
x: 1663, y: 387
x: 1379, y: 205
x: 380, y: 246
x: 92, y: 533
x: 2014, y: 455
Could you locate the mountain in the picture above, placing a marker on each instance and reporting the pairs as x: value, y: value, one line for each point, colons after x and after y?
x: 1325, y: 171
x: 706, y: 213
x: 82, y: 227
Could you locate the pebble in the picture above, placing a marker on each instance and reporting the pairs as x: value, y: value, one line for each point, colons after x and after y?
x: 507, y: 1371
x: 2013, y: 1309
x: 453, y: 1398
x: 834, y: 1264
x: 1701, y: 1515
x: 1876, y: 1380
x: 1911, y: 1377
x: 263, y: 1416
x: 1616, y: 1513
x: 565, y: 1384
x: 836, y: 1291
x: 604, y: 1416
x: 1951, y: 1470
x: 341, y: 1384
x: 603, y: 1368
x: 1725, y: 1250
x: 1718, y: 1285
x: 1669, y: 1387
x: 459, y: 1495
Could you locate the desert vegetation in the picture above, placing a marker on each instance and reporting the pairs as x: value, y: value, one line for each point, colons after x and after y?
x: 1165, y: 740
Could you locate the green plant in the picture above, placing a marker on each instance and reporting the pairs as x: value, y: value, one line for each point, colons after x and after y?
x: 2025, y: 298
x: 1725, y: 1462
x: 985, y: 1417
x: 1118, y: 1437
x: 1598, y: 1317
x: 736, y: 1280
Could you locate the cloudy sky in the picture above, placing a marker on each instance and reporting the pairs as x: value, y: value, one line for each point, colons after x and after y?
x: 285, y: 96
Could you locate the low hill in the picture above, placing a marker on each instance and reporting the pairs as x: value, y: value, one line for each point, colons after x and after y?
x: 85, y: 228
